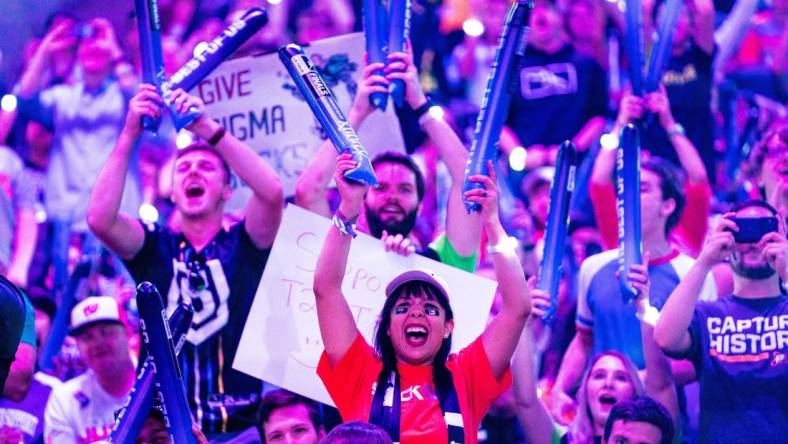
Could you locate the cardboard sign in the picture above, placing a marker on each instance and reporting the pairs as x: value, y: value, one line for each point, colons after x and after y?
x: 256, y: 100
x: 281, y: 341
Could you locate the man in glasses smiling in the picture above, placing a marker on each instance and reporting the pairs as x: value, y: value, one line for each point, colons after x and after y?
x: 214, y: 267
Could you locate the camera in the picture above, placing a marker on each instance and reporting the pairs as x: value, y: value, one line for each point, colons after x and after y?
x: 752, y: 229
x: 84, y: 31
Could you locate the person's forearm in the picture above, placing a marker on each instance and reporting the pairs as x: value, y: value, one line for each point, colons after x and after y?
x: 689, y: 158
x: 450, y: 147
x: 536, y: 423
x: 674, y: 320
x: 107, y: 194
x: 25, y: 238
x: 658, y: 375
x: 589, y: 133
x: 29, y: 82
x: 573, y: 364
x: 604, y: 164
x: 310, y: 191
x: 251, y: 168
x: 509, y: 274
x: 331, y: 264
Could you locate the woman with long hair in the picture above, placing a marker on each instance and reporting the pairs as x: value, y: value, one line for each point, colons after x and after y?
x: 409, y: 384
x: 609, y: 378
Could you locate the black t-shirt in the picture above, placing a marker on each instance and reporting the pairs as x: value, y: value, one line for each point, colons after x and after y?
x: 688, y: 79
x: 220, y: 283
x: 557, y: 94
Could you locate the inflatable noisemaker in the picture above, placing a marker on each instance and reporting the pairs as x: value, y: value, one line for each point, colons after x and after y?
x: 502, y: 83
x: 660, y: 52
x: 630, y: 248
x: 153, y: 65
x: 149, y: 32
x: 324, y: 106
x: 217, y: 50
x: 633, y: 44
x: 376, y: 36
x: 133, y: 415
x: 557, y: 223
x: 59, y: 330
x: 157, y: 337
x: 399, y: 29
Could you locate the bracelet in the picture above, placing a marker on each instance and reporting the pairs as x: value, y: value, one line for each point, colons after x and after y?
x: 426, y: 117
x: 217, y: 136
x: 676, y: 130
x: 501, y: 247
x: 420, y: 111
x: 650, y: 316
x: 347, y: 227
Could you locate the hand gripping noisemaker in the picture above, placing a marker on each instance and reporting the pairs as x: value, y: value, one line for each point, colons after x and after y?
x: 149, y: 30
x: 630, y: 248
x: 375, y: 34
x: 399, y: 29
x: 502, y: 82
x: 133, y: 415
x: 324, y: 106
x: 157, y: 337
x: 660, y: 52
x: 633, y: 44
x: 557, y: 223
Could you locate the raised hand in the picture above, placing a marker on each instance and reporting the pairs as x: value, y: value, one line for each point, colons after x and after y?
x: 147, y: 102
x: 401, y: 67
x: 719, y: 243
x: 487, y: 197
x: 351, y: 192
x: 398, y: 243
x: 774, y: 248
x: 370, y: 83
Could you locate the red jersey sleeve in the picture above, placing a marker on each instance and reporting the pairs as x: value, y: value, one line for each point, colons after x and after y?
x: 603, y: 198
x: 476, y: 385
x: 350, y: 382
x: 694, y: 221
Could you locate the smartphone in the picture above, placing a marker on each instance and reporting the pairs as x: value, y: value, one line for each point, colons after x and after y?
x: 84, y: 31
x: 752, y: 229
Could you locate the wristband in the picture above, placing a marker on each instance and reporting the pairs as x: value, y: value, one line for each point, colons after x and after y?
x: 650, y: 316
x: 346, y: 226
x: 675, y: 130
x: 422, y: 110
x: 501, y: 247
x: 217, y: 136
x: 426, y: 117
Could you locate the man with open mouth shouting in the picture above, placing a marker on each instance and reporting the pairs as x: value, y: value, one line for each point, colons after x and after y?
x: 409, y: 384
x: 213, y: 267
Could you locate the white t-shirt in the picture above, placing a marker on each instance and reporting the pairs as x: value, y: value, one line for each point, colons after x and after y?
x: 80, y: 412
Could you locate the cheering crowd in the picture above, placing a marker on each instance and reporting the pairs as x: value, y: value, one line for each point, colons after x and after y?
x: 93, y: 204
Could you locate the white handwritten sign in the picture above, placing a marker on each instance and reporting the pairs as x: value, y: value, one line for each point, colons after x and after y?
x: 255, y: 99
x: 281, y: 341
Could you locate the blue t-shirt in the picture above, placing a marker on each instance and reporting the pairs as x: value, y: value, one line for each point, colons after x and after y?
x: 220, y: 284
x: 739, y: 349
x: 601, y: 308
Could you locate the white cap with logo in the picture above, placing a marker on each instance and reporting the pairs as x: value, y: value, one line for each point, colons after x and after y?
x: 94, y: 309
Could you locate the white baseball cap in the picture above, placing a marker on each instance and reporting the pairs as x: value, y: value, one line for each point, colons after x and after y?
x: 94, y: 309
x: 418, y: 274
